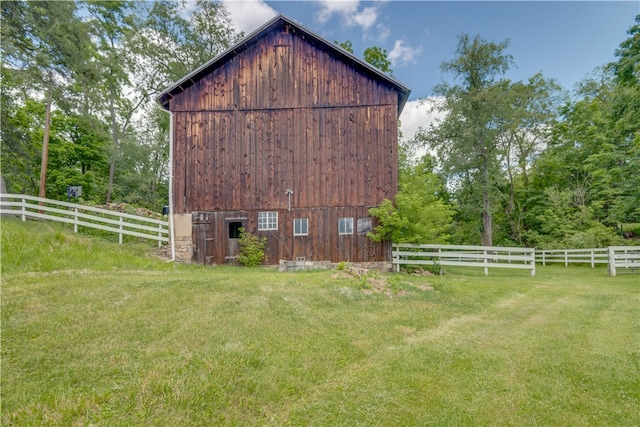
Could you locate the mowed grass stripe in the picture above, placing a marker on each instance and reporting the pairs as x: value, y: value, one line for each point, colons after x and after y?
x: 146, y: 343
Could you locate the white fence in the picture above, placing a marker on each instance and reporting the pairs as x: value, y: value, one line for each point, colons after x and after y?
x: 576, y: 256
x: 465, y: 256
x: 626, y: 257
x: 85, y: 216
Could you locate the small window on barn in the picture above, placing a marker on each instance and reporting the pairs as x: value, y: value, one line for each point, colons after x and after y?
x: 364, y: 225
x: 345, y: 226
x: 234, y: 229
x: 300, y: 226
x: 267, y: 220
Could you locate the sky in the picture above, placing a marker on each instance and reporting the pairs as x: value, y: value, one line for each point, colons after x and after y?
x: 564, y: 40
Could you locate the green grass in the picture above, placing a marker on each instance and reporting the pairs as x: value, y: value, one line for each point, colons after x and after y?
x: 99, y: 334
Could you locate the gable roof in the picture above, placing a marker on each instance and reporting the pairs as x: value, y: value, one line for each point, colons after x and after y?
x: 280, y: 21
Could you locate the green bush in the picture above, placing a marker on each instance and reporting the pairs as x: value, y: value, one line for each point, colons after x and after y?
x: 251, y: 250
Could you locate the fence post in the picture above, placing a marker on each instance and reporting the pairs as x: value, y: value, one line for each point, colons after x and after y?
x: 543, y: 260
x: 593, y: 258
x: 120, y: 234
x: 566, y: 258
x: 75, y: 220
x: 533, y: 262
x: 23, y: 208
x: 160, y: 235
x: 612, y: 262
x: 486, y: 263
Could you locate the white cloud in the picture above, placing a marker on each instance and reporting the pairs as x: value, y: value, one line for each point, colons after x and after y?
x: 418, y: 114
x: 401, y: 54
x: 367, y: 17
x: 339, y: 7
x: 383, y: 33
x: 249, y: 15
x: 349, y: 11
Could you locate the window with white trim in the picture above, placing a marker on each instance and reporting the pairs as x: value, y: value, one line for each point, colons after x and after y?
x: 267, y: 220
x: 345, y: 226
x: 300, y: 226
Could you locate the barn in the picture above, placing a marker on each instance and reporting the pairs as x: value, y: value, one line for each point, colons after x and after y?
x: 288, y: 136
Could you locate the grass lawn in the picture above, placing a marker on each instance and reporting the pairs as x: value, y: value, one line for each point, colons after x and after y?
x: 99, y: 334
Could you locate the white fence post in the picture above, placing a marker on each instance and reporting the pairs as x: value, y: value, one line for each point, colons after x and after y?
x: 533, y: 262
x: 593, y: 258
x: 566, y: 258
x: 486, y: 266
x: 543, y: 261
x: 23, y: 208
x: 75, y: 220
x: 612, y: 261
x: 120, y: 234
x: 159, y: 235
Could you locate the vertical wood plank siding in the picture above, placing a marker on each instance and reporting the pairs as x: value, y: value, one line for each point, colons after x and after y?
x: 285, y: 114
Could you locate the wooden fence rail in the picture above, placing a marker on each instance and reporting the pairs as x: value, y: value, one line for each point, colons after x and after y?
x: 85, y: 216
x: 626, y: 257
x: 465, y: 256
x: 573, y: 256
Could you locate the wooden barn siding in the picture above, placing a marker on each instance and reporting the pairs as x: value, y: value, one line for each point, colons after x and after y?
x: 210, y: 234
x: 280, y: 114
x: 285, y: 114
x: 232, y: 160
x: 283, y: 70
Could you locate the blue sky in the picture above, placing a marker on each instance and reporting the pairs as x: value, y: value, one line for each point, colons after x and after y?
x: 563, y: 40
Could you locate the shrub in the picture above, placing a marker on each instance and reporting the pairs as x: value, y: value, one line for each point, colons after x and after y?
x: 342, y: 265
x: 251, y: 249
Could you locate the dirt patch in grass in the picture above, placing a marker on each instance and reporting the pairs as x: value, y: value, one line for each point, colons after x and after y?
x: 372, y: 282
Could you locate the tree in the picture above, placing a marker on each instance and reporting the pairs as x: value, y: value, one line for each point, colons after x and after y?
x: 45, y: 44
x: 529, y: 114
x: 467, y: 138
x: 378, y: 58
x: 420, y: 213
x: 593, y: 157
x: 373, y: 55
x: 346, y: 45
x: 111, y: 24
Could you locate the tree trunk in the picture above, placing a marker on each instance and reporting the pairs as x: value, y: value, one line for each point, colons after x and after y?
x: 114, y: 137
x: 487, y: 229
x: 45, y: 141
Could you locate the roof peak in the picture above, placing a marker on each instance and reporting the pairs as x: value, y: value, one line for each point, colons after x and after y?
x: 179, y: 86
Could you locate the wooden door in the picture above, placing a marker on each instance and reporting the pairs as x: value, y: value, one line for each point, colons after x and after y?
x: 233, y: 238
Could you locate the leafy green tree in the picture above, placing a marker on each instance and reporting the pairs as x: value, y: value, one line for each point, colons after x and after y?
x: 346, y: 45
x: 373, y: 55
x: 174, y: 41
x: 46, y: 45
x: 595, y: 149
x: 566, y: 221
x: 378, y: 58
x: 21, y: 130
x: 144, y: 160
x: 420, y: 213
x: 467, y: 139
x: 528, y: 115
x: 111, y: 22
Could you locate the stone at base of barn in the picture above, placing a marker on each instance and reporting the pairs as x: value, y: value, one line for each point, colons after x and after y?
x: 325, y: 265
x: 183, y: 238
x: 303, y: 265
x: 184, y: 249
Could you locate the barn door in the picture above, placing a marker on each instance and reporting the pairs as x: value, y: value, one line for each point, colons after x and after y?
x: 203, y: 238
x: 233, y: 233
